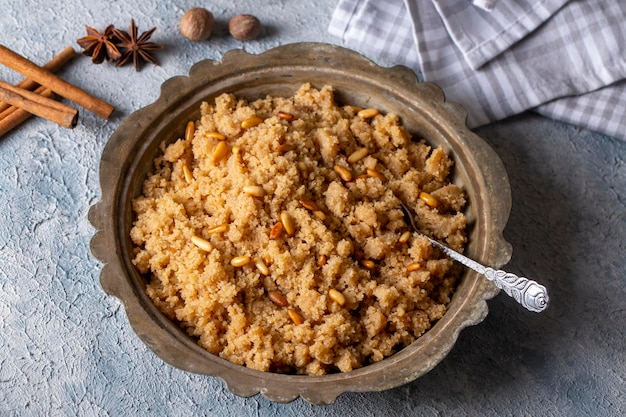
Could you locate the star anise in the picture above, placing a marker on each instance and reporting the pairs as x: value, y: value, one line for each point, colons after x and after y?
x: 99, y: 45
x: 136, y: 47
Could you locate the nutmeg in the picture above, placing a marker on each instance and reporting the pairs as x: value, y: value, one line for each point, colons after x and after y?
x: 244, y: 27
x: 197, y: 24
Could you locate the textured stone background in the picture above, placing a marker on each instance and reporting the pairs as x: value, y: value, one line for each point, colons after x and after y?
x: 67, y: 349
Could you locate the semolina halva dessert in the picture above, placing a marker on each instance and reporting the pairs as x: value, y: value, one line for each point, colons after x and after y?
x: 273, y: 233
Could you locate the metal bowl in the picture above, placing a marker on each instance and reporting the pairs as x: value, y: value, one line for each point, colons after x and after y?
x: 128, y: 156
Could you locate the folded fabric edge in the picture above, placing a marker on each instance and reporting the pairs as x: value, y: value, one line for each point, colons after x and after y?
x: 602, y: 111
x: 494, y: 106
x: 487, y: 5
x: 517, y: 31
x: 478, y: 54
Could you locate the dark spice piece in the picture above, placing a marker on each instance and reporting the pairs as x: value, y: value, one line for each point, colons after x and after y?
x: 136, y: 47
x: 99, y: 45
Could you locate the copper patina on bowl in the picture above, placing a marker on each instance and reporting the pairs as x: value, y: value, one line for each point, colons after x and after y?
x: 129, y: 154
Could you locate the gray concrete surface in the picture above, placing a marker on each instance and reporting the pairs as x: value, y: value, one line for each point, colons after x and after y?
x: 66, y: 348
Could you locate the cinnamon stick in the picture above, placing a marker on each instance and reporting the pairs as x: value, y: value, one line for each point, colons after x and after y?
x: 47, y: 108
x: 53, y: 65
x: 14, y: 116
x: 42, y: 91
x: 46, y: 78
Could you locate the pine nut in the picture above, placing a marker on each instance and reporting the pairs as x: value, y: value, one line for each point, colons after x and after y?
x: 413, y: 267
x: 367, y: 264
x: 321, y: 260
x: 368, y: 113
x: 251, y: 122
x: 215, y: 135
x: 309, y: 204
x: 428, y: 199
x: 187, y: 173
x: 277, y: 298
x: 285, y: 219
x: 343, y: 172
x: 404, y: 237
x: 375, y: 174
x: 220, y: 152
x: 284, y: 147
x: 203, y: 244
x: 220, y: 228
x: 240, y: 261
x: 254, y: 190
x: 337, y: 296
x: 267, y: 260
x: 357, y: 155
x: 262, y: 267
x: 295, y: 316
x: 285, y: 116
x: 320, y: 214
x: 189, y: 131
x: 276, y: 231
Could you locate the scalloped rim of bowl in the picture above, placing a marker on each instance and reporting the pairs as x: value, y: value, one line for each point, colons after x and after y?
x: 422, y: 108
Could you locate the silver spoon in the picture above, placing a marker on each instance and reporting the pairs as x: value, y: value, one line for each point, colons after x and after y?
x: 527, y: 292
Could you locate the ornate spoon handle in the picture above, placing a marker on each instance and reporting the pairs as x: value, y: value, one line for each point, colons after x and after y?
x: 530, y: 294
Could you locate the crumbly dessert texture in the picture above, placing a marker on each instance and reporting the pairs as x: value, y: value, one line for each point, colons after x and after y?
x: 273, y: 233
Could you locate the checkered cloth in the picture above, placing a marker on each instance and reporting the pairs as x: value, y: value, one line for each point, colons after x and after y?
x: 564, y: 59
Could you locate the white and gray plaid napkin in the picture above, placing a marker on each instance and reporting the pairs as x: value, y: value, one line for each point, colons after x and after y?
x: 564, y: 59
